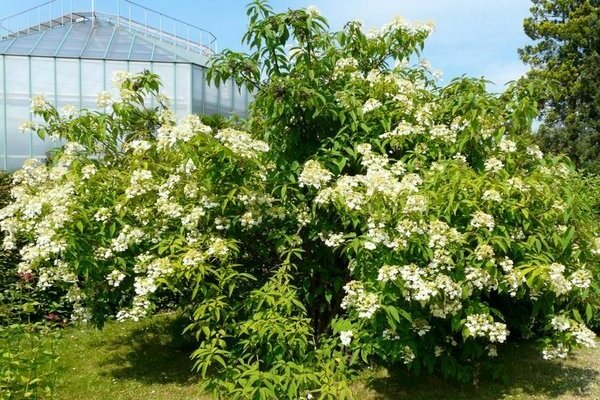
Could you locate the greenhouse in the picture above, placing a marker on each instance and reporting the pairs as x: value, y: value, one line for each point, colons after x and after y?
x: 68, y: 53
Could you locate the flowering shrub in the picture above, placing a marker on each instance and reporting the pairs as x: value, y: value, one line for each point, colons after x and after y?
x: 360, y: 213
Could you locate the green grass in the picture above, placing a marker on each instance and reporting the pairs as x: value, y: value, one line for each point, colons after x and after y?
x: 126, y: 361
x: 131, y: 361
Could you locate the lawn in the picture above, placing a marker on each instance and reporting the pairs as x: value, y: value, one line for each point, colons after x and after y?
x: 131, y: 361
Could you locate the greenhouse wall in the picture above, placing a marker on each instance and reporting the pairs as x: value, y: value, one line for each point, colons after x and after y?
x: 64, y: 81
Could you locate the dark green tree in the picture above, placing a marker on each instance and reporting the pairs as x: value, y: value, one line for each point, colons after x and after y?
x: 565, y: 59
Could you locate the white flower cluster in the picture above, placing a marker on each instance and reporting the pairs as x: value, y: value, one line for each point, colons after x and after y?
x: 483, y: 325
x: 39, y: 104
x: 345, y: 66
x: 218, y: 248
x: 138, y: 147
x: 388, y: 273
x: 493, y: 165
x: 120, y: 77
x: 139, y: 309
x: 535, y: 152
x: 596, y: 246
x: 59, y: 272
x: 170, y: 133
x: 428, y: 286
x: 140, y: 183
x: 482, y: 220
x: 507, y: 146
x: 128, y: 236
x: 421, y: 327
x: 560, y: 351
x: 115, y: 278
x: 346, y: 337
x: 583, y: 335
x: 561, y: 285
x: 41, y: 207
x: 357, y: 297
x: 560, y: 323
x: 314, y: 175
x: 332, y: 239
x: 492, y: 195
x: 370, y: 105
x: 241, y: 143
x: 104, y: 99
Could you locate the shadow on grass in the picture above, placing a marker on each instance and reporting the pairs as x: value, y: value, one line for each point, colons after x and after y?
x: 528, y: 374
x: 153, y: 353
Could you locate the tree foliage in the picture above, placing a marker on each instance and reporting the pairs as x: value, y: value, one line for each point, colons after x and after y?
x: 566, y: 55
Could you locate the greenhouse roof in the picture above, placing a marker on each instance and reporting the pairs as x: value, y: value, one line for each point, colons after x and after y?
x: 94, y: 35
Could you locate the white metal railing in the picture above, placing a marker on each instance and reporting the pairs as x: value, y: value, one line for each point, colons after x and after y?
x: 126, y: 14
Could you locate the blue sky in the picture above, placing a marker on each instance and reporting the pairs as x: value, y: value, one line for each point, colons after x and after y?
x: 472, y: 37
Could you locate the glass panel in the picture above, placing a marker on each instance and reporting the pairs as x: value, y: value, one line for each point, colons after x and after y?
x: 3, y: 45
x: 137, y: 67
x: 226, y: 98
x: 17, y: 106
x: 67, y: 82
x: 239, y: 100
x: 98, y: 42
x: 2, y: 132
x: 23, y: 44
x: 51, y: 40
x: 142, y: 50
x: 197, y: 84
x: 73, y: 44
x: 111, y: 68
x: 162, y: 55
x: 119, y: 48
x: 91, y: 84
x: 211, y: 96
x: 42, y: 82
x: 165, y: 71
x: 183, y: 89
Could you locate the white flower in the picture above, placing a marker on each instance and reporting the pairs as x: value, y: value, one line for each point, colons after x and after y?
x: 493, y: 165
x: 119, y: 78
x: 39, y: 104
x: 581, y: 279
x: 560, y: 323
x: 241, y: 143
x: 370, y: 105
x: 483, y: 220
x: 535, y: 152
x: 313, y: 175
x: 507, y: 145
x: 583, y: 335
x: 346, y: 337
x: 596, y: 246
x: 313, y: 11
x: 554, y: 352
x: 492, y: 195
x: 388, y: 273
x: 115, y: 278
x: 506, y: 264
x: 69, y: 111
x: 88, y: 171
x: 332, y: 239
x: 364, y: 302
x: 558, y: 283
x: 103, y: 99
x: 26, y: 126
x: 483, y: 325
x: 139, y: 146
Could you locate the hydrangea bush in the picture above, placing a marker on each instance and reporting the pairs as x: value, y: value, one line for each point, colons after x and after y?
x: 361, y: 214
